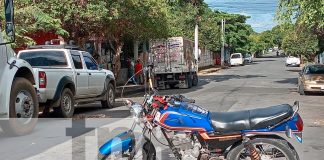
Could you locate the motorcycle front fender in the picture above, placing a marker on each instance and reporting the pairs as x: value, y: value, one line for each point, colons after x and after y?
x: 120, y: 143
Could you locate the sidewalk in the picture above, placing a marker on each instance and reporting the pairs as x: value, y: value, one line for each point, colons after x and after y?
x: 211, y: 69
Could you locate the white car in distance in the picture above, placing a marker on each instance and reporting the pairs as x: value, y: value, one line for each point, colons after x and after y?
x: 237, y: 59
x: 293, y: 61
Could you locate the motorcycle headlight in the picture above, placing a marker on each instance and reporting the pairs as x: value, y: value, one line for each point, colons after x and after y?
x: 136, y: 111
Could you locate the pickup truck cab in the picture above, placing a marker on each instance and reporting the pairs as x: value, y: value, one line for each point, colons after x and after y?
x: 237, y: 59
x: 66, y: 76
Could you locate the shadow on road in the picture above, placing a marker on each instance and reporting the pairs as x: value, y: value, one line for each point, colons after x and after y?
x: 289, y: 81
x: 271, y: 56
x: 204, y: 80
x: 221, y: 78
x: 265, y: 60
x: 294, y: 70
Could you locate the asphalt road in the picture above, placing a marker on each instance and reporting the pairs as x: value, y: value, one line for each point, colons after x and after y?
x: 263, y: 83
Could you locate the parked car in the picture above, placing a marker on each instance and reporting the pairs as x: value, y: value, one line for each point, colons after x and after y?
x: 311, y: 79
x: 237, y: 59
x: 248, y: 58
x: 292, y: 61
x: 66, y: 77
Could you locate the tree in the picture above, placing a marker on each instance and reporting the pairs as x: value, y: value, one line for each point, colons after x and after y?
x: 256, y: 44
x: 140, y: 19
x: 30, y: 18
x: 299, y: 43
x: 305, y: 13
x: 237, y: 32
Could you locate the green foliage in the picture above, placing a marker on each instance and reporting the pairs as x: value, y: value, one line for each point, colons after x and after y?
x: 135, y: 19
x: 237, y: 32
x: 300, y: 42
x: 308, y: 14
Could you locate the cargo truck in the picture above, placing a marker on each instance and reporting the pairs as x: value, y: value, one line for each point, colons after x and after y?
x: 175, y: 64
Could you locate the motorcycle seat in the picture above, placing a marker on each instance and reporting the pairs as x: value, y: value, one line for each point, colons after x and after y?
x: 226, y: 122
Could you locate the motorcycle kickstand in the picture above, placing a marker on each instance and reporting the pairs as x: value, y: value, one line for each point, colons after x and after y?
x: 254, y: 155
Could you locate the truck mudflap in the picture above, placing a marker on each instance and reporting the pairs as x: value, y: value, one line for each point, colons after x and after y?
x: 120, y: 143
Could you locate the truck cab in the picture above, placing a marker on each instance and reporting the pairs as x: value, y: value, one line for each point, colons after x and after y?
x: 19, y: 103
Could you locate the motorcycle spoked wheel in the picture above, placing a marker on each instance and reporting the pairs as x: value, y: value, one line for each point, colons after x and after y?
x: 268, y: 148
x: 148, y: 153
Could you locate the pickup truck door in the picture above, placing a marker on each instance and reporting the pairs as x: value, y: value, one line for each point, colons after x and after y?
x: 96, y: 77
x: 81, y: 75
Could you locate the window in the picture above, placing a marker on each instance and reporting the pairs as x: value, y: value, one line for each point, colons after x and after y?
x: 77, y: 61
x: 236, y: 56
x: 316, y: 69
x: 90, y: 63
x: 44, y: 58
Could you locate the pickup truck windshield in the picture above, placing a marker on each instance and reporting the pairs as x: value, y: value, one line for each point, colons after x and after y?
x: 44, y: 58
x: 236, y: 56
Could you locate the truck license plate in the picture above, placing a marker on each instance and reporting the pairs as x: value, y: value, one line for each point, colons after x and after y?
x: 169, y: 76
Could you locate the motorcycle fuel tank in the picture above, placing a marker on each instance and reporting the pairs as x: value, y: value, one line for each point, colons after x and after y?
x: 184, y: 117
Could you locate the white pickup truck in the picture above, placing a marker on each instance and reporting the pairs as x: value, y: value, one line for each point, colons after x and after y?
x: 66, y: 76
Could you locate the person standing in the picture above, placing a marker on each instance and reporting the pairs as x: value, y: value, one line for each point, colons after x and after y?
x: 130, y: 66
x: 138, y: 71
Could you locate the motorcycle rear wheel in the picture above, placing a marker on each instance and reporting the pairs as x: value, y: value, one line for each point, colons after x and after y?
x: 268, y: 148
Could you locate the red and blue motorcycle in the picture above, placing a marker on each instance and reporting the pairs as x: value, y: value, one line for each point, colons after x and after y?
x: 192, y: 132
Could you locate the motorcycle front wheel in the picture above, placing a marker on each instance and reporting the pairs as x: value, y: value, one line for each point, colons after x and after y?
x: 148, y: 153
x: 268, y: 148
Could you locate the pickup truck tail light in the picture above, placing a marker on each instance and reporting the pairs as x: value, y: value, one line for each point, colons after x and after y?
x: 42, y: 79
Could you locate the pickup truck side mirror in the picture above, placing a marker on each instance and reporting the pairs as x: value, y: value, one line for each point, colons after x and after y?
x: 9, y: 17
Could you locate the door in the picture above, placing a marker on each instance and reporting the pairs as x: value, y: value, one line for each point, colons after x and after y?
x: 96, y: 77
x: 81, y: 75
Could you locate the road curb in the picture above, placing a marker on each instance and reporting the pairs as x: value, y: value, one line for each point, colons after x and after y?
x: 207, y: 71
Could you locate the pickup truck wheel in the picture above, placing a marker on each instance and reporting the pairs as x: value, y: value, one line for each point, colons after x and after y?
x: 66, y: 108
x: 23, y: 109
x: 110, y: 97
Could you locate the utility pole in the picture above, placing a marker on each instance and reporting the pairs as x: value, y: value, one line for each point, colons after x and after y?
x: 223, y: 43
x: 196, y: 4
x: 196, y: 42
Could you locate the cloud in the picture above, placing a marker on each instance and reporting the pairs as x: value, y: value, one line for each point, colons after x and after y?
x: 262, y: 12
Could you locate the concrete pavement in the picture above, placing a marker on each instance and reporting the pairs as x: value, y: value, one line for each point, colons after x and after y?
x: 264, y: 83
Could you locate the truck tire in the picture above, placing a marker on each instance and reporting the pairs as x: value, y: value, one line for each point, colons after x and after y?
x: 195, y: 80
x: 23, y: 108
x: 110, y: 97
x: 66, y: 108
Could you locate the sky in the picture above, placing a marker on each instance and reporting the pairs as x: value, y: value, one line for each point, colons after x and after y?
x: 262, y: 12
